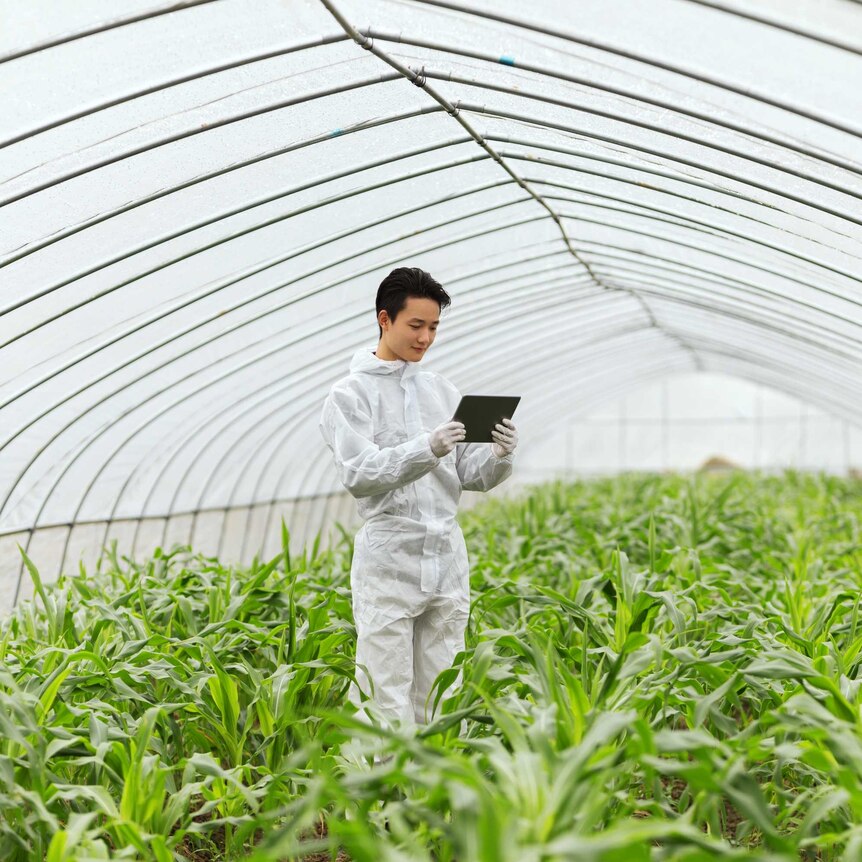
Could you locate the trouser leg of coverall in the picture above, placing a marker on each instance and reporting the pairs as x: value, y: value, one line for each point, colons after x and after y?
x: 438, y: 636
x: 386, y: 649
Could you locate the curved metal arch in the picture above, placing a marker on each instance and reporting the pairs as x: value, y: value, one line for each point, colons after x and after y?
x: 420, y: 80
x: 817, y: 351
x: 779, y: 25
x: 820, y: 381
x: 599, y: 86
x: 689, y: 163
x: 149, y: 244
x: 640, y: 58
x: 137, y: 328
x: 258, y: 225
x: 681, y: 179
x: 694, y: 282
x: 685, y: 268
x: 813, y: 395
x: 642, y: 124
x: 649, y: 170
x: 829, y: 369
x: 701, y: 204
x: 102, y: 28
x: 373, y: 124
x: 236, y: 166
x: 764, y: 323
x: 815, y: 287
x: 229, y: 238
x: 95, y: 269
x: 270, y: 264
x: 197, y: 325
x: 143, y: 403
x: 164, y: 265
x: 754, y: 377
x: 633, y: 231
x: 166, y: 313
x: 839, y: 407
x: 712, y: 227
x: 551, y: 416
x: 714, y: 230
x: 383, y: 78
x: 832, y: 362
x: 174, y: 82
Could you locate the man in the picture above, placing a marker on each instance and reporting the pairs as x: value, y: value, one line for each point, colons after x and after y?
x: 388, y: 426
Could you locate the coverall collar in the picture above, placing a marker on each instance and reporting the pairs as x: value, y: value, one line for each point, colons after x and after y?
x: 365, y: 360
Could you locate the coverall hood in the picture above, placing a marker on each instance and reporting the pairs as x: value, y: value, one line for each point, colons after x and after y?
x: 365, y: 360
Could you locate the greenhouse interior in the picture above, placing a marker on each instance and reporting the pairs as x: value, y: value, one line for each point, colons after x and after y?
x: 276, y: 585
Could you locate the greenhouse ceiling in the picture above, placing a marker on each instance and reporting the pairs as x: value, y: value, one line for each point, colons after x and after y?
x: 199, y: 200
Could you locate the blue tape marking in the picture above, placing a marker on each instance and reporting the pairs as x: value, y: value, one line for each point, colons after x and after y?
x: 509, y: 61
x: 336, y: 133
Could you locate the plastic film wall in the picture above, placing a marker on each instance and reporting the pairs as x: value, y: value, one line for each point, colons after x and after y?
x: 199, y: 199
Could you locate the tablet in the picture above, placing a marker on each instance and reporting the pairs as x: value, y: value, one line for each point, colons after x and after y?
x: 480, y: 413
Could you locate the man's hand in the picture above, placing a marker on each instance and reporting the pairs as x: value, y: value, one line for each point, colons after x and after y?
x: 445, y: 437
x: 505, y: 438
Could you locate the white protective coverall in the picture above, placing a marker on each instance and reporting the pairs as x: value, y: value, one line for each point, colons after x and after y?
x: 410, y: 571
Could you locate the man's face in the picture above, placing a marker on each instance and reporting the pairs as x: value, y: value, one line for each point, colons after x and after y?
x: 411, y: 333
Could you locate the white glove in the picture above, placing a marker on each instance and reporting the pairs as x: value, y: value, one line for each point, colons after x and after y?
x: 444, y: 437
x: 505, y: 438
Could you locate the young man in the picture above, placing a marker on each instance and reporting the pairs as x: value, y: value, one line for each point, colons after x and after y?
x: 388, y: 426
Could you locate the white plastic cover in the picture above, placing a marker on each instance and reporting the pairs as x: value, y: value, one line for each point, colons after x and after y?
x: 198, y: 200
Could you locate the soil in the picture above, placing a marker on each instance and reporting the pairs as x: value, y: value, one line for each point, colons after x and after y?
x: 319, y: 831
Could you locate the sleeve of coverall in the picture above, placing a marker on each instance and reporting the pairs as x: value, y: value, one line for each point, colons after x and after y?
x: 479, y: 469
x: 363, y: 467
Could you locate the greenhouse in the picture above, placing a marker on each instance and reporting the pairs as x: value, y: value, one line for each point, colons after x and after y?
x: 275, y: 585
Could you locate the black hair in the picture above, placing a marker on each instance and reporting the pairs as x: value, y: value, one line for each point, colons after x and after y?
x: 403, y: 282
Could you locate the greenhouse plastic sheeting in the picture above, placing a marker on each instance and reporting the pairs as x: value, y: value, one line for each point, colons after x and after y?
x: 199, y: 199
